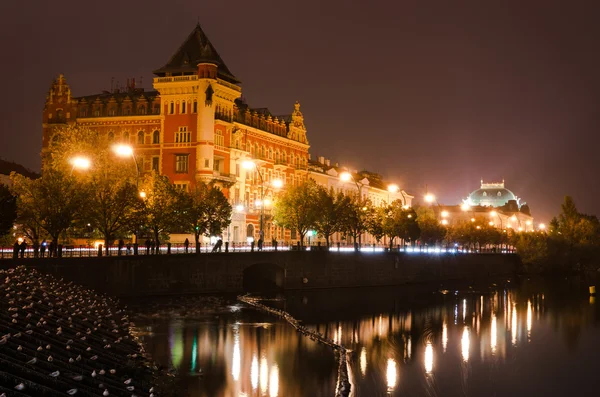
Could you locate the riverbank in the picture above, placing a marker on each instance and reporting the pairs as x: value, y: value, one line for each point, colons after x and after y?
x: 57, y: 337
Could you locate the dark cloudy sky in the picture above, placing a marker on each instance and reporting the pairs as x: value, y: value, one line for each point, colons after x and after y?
x: 436, y: 93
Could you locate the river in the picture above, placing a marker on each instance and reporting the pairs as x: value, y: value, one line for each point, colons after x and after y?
x: 503, y: 338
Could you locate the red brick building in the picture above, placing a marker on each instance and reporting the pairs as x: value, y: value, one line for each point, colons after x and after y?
x: 194, y: 127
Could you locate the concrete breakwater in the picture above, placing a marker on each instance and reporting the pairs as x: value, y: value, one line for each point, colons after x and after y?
x: 261, y: 271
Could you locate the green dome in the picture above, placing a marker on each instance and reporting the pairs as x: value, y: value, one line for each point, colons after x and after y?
x: 491, y: 195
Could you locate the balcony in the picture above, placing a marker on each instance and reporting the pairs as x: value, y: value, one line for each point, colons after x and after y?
x: 175, y: 79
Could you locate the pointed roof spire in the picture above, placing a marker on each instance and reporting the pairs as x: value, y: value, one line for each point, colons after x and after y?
x: 194, y: 50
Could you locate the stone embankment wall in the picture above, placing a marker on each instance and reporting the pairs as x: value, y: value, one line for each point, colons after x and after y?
x: 224, y: 272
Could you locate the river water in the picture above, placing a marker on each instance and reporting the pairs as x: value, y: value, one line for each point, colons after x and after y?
x: 507, y: 338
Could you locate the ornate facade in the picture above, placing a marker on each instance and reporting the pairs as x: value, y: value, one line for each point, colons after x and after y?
x: 193, y: 126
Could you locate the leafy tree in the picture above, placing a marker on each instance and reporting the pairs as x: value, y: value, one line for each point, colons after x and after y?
x: 52, y: 202
x: 207, y: 211
x: 295, y: 208
x: 401, y: 223
x: 355, y: 221
x: 8, y: 210
x: 162, y: 205
x: 374, y: 221
x: 432, y: 231
x: 332, y: 208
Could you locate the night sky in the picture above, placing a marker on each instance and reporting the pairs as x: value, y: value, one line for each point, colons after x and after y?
x: 436, y: 93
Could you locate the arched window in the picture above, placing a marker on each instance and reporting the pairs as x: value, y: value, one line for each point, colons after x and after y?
x: 140, y: 139
x: 126, y: 137
x: 111, y: 136
x: 195, y: 107
x: 156, y: 137
x: 171, y: 108
x: 142, y: 110
x: 250, y: 230
x: 183, y: 107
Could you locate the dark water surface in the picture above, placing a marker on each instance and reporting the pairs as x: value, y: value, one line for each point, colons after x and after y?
x: 519, y: 338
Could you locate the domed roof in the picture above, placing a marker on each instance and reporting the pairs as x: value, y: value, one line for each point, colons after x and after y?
x: 491, y: 195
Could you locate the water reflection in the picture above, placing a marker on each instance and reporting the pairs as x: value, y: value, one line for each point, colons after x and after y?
x: 391, y: 374
x: 416, y: 350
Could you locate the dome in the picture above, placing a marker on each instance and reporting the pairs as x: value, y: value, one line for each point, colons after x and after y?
x: 491, y: 195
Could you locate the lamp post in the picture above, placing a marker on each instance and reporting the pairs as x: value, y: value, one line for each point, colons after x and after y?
x: 126, y: 151
x: 249, y: 164
x: 393, y: 188
x: 80, y: 162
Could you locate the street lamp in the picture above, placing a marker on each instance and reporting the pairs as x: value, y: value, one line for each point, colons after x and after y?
x: 80, y: 162
x: 430, y: 198
x: 542, y: 226
x: 126, y: 151
x: 249, y: 164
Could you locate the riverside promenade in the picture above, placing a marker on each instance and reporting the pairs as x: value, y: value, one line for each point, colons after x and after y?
x: 235, y: 272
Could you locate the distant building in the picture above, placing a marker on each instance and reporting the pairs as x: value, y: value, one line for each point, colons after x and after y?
x: 195, y: 126
x: 492, y: 203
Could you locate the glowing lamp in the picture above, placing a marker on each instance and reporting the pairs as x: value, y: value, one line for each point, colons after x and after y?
x: 444, y: 214
x: 277, y: 183
x: 123, y: 150
x: 248, y: 164
x: 430, y: 198
x: 82, y: 163
x: 239, y: 208
x: 393, y: 188
x: 465, y: 207
x: 345, y: 176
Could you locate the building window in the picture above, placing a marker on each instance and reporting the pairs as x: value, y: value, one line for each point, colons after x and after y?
x: 181, y: 186
x: 142, y: 110
x: 83, y: 113
x: 156, y: 109
x: 183, y: 107
x: 97, y: 113
x: 484, y: 194
x: 195, y: 107
x: 112, y: 112
x: 155, y: 163
x: 216, y: 165
x: 140, y: 139
x: 237, y: 170
x: 126, y: 137
x: 111, y: 136
x: 156, y: 137
x: 206, y: 163
x: 171, y: 108
x: 182, y: 163
x: 183, y: 135
x: 219, y: 139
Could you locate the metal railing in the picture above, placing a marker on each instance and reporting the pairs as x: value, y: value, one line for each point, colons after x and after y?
x: 88, y: 251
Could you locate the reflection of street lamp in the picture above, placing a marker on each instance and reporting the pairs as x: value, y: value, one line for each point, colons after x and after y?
x: 81, y: 163
x: 249, y: 164
x: 126, y: 151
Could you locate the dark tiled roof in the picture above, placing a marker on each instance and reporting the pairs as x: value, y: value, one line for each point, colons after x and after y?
x: 135, y: 94
x: 194, y: 50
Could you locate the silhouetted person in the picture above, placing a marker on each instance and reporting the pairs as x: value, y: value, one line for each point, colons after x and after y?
x: 120, y: 246
x: 218, y: 245
x: 23, y: 247
x: 260, y: 244
x: 16, y: 248
x: 128, y: 248
x: 186, y: 244
x: 147, y: 244
x: 152, y: 246
x: 43, y: 248
x: 51, y: 249
x: 252, y: 246
x: 274, y: 244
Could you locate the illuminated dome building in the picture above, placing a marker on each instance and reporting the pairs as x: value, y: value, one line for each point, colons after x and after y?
x: 492, y: 204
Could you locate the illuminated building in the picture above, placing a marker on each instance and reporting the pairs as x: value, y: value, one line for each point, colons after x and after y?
x: 193, y: 126
x: 492, y: 204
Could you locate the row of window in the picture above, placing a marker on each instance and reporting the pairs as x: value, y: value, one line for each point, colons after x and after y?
x: 100, y: 111
x: 183, y: 108
x: 141, y: 137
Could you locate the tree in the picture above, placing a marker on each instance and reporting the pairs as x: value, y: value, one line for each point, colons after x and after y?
x: 52, y: 202
x: 332, y: 209
x: 374, y: 221
x: 432, y: 231
x: 207, y: 211
x: 163, y: 205
x: 400, y: 222
x: 295, y: 208
x: 8, y: 210
x: 355, y: 219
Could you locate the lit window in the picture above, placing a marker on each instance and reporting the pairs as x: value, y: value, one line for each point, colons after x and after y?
x: 111, y: 136
x: 484, y: 194
x: 183, y: 135
x: 182, y: 163
x: 183, y: 107
x: 155, y: 163
x: 181, y: 186
x: 156, y: 137
x: 219, y: 139
x: 140, y: 137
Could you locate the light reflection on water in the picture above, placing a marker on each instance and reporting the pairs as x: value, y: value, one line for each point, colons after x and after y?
x: 505, y: 342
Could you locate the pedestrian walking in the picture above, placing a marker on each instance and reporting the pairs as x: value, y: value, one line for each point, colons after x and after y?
x: 16, y: 248
x: 147, y: 244
x: 186, y: 244
x: 120, y: 246
x: 23, y: 247
x: 260, y: 244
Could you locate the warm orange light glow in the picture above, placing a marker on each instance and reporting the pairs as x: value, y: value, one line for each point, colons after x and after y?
x: 345, y: 176
x: 393, y: 188
x: 248, y: 164
x: 491, y: 223
x: 430, y: 198
x: 428, y: 358
x: 444, y: 221
x: 542, y: 226
x: 493, y: 213
x: 445, y: 214
x: 513, y: 218
x: 472, y: 219
x: 82, y: 163
x: 277, y: 183
x: 143, y: 194
x: 123, y: 150
x: 465, y: 207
